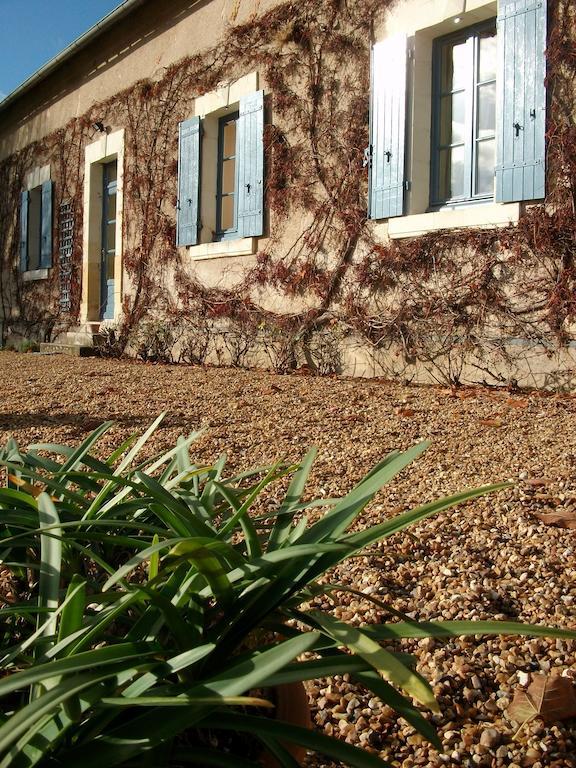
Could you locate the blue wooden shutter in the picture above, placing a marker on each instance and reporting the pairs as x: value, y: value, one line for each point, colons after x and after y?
x: 250, y: 165
x: 46, y: 236
x: 188, y: 207
x: 387, y: 128
x: 24, y: 231
x: 521, y: 125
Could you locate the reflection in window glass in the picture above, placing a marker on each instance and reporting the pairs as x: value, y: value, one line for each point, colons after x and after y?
x: 453, y: 66
x: 487, y: 57
x: 464, y: 100
x: 228, y: 176
x: 452, y: 119
x: 226, y: 194
x: 486, y: 110
x: 452, y: 172
x: 485, y: 167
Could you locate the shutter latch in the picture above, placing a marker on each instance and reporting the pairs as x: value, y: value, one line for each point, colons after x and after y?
x: 388, y: 155
x: 517, y: 127
x: 367, y: 161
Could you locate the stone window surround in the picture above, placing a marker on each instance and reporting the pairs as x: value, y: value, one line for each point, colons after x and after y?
x: 210, y: 108
x: 106, y: 149
x: 436, y: 20
x: 35, y: 179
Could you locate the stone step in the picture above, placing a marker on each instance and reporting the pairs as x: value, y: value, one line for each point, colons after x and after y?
x: 80, y: 338
x: 77, y: 350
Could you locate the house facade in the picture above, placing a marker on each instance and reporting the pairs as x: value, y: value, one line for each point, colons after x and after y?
x: 378, y: 188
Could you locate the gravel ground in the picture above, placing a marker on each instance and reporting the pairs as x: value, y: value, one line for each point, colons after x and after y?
x: 489, y: 559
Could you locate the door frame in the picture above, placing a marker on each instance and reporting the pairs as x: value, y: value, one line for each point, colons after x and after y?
x: 109, y: 148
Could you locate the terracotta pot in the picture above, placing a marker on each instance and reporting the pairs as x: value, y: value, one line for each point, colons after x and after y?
x: 291, y: 707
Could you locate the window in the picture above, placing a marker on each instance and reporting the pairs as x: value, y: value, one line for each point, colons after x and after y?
x: 36, y: 228
x: 221, y: 171
x: 464, y: 110
x: 226, y: 194
x: 478, y: 94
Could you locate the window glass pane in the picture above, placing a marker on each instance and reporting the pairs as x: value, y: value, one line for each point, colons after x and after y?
x: 227, y: 215
x: 110, y: 244
x: 454, y: 66
x: 485, y: 167
x: 451, y: 180
x: 228, y: 176
x: 486, y: 110
x: 452, y: 118
x: 229, y: 138
x: 487, y: 56
x: 34, y: 227
x: 111, y: 172
x: 110, y: 266
x: 110, y: 212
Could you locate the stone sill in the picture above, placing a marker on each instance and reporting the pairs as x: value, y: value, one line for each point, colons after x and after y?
x: 244, y: 246
x: 488, y: 216
x: 35, y: 274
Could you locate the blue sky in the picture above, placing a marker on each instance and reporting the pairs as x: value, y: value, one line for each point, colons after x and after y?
x: 34, y: 31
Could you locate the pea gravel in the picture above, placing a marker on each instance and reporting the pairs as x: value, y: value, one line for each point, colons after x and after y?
x: 490, y: 559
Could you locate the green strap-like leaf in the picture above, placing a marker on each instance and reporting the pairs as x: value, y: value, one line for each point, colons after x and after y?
x: 334, y: 748
x: 27, y: 717
x: 154, y: 727
x: 289, y: 506
x: 460, y: 628
x: 19, y: 649
x: 400, y: 522
x: 72, y: 615
x: 335, y: 522
x: 182, y: 700
x: 93, y: 659
x: 176, y: 664
x: 50, y: 559
x: 154, y: 562
x: 390, y: 696
x: 384, y: 662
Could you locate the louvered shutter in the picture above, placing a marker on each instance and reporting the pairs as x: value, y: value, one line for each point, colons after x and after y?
x: 24, y: 231
x: 387, y: 128
x: 188, y: 208
x: 521, y: 125
x: 46, y: 236
x: 250, y: 165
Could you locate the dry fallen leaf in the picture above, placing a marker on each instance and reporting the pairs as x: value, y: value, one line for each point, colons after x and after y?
x: 561, y: 519
x: 33, y: 490
x: 407, y: 412
x: 515, y: 403
x: 550, y: 697
x: 491, y: 422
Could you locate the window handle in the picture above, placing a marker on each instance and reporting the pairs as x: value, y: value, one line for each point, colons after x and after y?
x: 388, y: 155
x: 247, y: 188
x: 517, y: 127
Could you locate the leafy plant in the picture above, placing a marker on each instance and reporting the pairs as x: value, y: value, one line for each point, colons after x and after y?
x: 154, y: 341
x: 108, y: 342
x: 168, y: 599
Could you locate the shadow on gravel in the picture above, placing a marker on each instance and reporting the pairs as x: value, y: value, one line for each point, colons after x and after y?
x: 85, y: 422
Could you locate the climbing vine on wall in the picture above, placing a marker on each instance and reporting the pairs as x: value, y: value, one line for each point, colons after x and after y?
x: 438, y: 299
